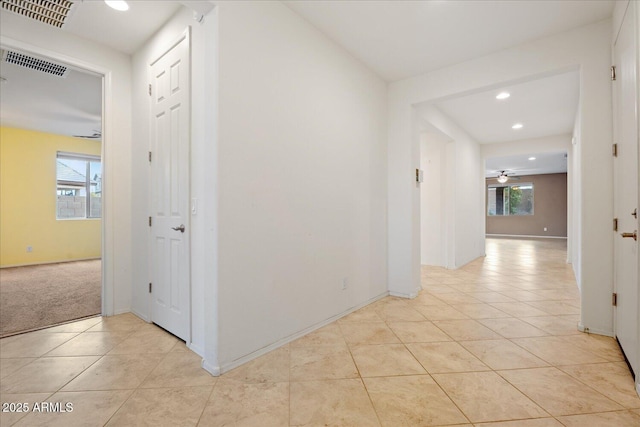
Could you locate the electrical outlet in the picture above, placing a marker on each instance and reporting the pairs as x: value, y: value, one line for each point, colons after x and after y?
x: 345, y: 283
x: 29, y: 249
x: 545, y: 229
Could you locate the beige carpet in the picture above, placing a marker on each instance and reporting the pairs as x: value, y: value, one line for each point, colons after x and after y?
x: 43, y: 295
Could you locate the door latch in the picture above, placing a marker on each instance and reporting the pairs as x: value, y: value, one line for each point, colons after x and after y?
x: 180, y: 228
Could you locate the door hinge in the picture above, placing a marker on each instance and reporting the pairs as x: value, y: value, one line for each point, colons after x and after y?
x: 149, y: 221
x: 613, y: 73
x: 615, y: 224
x: 149, y: 89
x: 614, y: 299
x: 150, y: 286
x: 149, y: 156
x: 614, y: 150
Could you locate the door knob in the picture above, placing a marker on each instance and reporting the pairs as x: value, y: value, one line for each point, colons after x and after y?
x: 633, y: 235
x: 180, y: 229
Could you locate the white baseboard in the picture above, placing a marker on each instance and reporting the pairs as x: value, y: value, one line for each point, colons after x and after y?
x: 196, y: 349
x: 403, y: 295
x: 606, y: 333
x: 212, y: 369
x: 244, y: 359
x: 64, y: 261
x: 145, y: 318
x: 523, y: 236
x: 217, y: 370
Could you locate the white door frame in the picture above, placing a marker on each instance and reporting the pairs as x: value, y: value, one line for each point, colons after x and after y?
x: 108, y: 299
x: 186, y: 34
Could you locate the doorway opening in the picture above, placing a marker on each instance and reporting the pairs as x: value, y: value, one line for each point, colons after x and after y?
x: 526, y: 195
x: 51, y: 228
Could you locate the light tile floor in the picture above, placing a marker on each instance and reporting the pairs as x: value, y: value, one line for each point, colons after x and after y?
x: 491, y: 344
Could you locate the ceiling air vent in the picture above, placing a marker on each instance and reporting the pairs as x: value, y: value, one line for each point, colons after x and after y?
x: 52, y: 12
x: 34, y: 63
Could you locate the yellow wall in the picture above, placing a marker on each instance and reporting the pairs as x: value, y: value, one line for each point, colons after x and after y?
x: 28, y: 201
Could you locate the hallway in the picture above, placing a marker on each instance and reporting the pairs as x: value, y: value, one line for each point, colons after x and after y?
x: 493, y: 341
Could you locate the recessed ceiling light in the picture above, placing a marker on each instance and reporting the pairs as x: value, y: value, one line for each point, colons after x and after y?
x: 120, y: 5
x: 517, y: 126
x: 532, y: 158
x: 503, y: 95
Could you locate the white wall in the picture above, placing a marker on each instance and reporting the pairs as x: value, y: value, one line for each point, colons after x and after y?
x: 576, y: 206
x: 596, y: 183
x: 291, y: 184
x: 466, y: 188
x: 434, y: 220
x: 587, y: 48
x: 39, y: 39
x: 302, y: 179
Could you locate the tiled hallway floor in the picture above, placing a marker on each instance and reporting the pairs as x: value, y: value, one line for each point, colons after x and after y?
x: 491, y: 344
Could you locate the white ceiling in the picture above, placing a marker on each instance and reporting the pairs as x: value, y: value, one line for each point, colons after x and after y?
x: 34, y: 100
x: 122, y: 31
x: 396, y: 39
x: 521, y: 165
x: 545, y: 107
x: 400, y: 39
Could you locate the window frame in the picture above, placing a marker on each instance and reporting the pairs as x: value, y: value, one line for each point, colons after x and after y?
x: 510, y: 186
x: 88, y: 159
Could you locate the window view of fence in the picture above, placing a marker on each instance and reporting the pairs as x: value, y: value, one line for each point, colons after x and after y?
x: 79, y: 186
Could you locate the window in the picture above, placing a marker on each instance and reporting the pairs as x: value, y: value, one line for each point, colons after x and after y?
x: 79, y: 186
x: 510, y: 199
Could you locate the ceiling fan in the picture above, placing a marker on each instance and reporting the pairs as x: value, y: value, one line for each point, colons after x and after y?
x: 95, y: 135
x: 503, y: 176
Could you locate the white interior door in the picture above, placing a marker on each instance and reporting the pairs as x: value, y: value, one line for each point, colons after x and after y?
x: 169, y: 159
x: 626, y: 190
